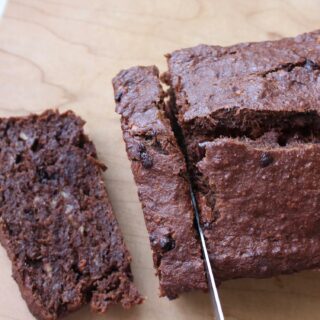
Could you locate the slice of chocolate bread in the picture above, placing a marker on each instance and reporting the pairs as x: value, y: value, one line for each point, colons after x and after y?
x: 250, y: 91
x: 56, y: 221
x: 160, y: 173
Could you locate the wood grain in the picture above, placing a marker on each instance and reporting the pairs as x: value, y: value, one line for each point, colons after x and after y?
x: 63, y: 53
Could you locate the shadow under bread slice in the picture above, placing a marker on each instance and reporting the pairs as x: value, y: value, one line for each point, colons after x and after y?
x: 160, y: 173
x: 223, y: 97
x: 56, y: 221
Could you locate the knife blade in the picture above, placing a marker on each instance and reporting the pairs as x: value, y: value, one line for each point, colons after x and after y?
x: 215, y: 300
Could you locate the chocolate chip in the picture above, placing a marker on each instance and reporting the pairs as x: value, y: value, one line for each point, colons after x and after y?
x: 19, y: 158
x: 36, y: 146
x: 144, y: 157
x: 166, y: 243
x: 310, y: 65
x: 163, y: 242
x: 118, y: 96
x: 146, y: 160
x: 265, y: 159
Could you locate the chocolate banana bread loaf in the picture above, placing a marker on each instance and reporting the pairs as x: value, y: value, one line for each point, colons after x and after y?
x: 160, y: 173
x: 56, y: 221
x: 247, y: 120
x: 249, y: 117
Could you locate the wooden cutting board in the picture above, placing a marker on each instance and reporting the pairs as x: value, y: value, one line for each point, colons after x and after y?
x: 63, y: 53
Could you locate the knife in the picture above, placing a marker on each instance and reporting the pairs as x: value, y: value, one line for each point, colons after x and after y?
x: 215, y: 300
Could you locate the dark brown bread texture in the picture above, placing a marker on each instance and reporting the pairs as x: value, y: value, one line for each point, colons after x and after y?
x: 56, y: 221
x: 160, y: 173
x: 259, y: 219
x: 267, y: 207
x: 215, y: 86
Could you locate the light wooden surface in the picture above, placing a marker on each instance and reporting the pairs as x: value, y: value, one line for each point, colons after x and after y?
x: 63, y: 53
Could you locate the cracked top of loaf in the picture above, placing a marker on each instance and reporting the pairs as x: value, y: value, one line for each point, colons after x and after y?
x: 279, y: 75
